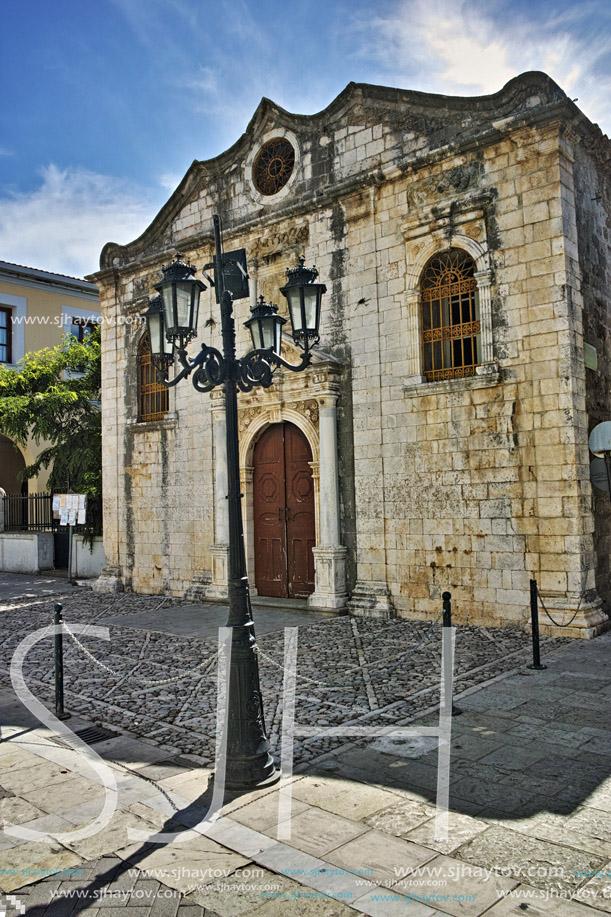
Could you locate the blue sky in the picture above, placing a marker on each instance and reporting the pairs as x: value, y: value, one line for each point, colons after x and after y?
x: 104, y: 104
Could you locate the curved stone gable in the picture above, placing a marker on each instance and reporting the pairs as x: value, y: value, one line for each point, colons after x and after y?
x: 413, y: 125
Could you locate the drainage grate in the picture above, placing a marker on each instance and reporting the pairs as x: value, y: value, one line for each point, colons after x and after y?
x: 93, y: 734
x: 90, y: 735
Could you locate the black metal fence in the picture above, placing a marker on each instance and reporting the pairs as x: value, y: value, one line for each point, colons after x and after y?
x: 28, y: 513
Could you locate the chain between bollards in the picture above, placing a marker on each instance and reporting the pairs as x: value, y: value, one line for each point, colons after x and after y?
x: 447, y: 622
x: 534, y: 618
x: 59, y: 664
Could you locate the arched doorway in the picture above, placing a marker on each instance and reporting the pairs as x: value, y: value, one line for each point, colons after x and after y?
x: 12, y: 463
x: 284, y: 516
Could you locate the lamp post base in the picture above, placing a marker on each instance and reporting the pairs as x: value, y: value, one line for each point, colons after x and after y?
x: 269, y: 778
x: 249, y: 763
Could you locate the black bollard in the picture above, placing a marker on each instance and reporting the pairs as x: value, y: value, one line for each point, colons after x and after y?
x: 534, y: 618
x: 447, y: 609
x: 59, y: 666
x: 447, y: 622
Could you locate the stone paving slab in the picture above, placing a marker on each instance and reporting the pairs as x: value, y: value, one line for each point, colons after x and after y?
x: 262, y: 814
x: 377, y: 855
x: 338, y: 796
x: 536, y: 901
x: 245, y: 891
x: 544, y: 864
x: 114, y: 837
x: 188, y: 865
x: 451, y: 886
x: 317, y: 832
x: 19, y: 587
x: 106, y: 886
x: 461, y: 828
x: 599, y: 887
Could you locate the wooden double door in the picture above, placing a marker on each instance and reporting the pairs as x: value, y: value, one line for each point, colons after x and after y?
x: 284, y: 519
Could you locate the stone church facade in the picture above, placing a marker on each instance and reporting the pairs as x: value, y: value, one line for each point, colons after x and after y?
x: 439, y: 440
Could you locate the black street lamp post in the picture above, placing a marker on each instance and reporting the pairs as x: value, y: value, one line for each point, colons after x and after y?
x: 172, y: 324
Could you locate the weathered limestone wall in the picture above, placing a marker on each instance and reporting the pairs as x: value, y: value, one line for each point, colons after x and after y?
x: 157, y: 476
x: 593, y: 209
x: 473, y: 484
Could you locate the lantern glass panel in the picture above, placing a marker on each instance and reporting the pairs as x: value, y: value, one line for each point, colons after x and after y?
x: 168, y: 346
x: 155, y: 327
x: 254, y: 326
x: 195, y: 307
x: 278, y: 337
x: 310, y: 298
x: 183, y: 304
x: 167, y: 295
x: 294, y: 297
x: 255, y: 330
x: 267, y: 331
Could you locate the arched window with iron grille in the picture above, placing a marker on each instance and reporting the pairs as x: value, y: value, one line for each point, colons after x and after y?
x: 451, y: 333
x: 153, y: 397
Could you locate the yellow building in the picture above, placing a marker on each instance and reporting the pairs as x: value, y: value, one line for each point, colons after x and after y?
x: 36, y: 309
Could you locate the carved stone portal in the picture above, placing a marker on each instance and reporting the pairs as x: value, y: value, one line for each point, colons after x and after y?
x: 311, y: 404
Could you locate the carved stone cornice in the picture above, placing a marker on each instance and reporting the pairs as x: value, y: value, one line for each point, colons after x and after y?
x: 439, y: 217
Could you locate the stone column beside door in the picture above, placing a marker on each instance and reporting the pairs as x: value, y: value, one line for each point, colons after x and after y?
x: 220, y: 549
x: 329, y: 554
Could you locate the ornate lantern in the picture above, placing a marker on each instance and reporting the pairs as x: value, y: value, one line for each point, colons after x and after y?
x: 180, y: 294
x: 162, y: 350
x: 265, y: 326
x: 304, y: 299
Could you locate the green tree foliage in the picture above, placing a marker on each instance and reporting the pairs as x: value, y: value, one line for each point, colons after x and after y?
x: 54, y: 399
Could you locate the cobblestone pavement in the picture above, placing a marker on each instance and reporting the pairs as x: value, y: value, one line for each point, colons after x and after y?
x: 350, y: 671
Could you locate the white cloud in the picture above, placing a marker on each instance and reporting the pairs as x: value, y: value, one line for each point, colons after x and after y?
x: 459, y: 47
x: 170, y: 181
x: 63, y: 224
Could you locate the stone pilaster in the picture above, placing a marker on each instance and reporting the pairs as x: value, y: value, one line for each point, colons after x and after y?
x: 200, y: 584
x: 110, y: 580
x: 573, y: 616
x: 217, y: 589
x: 329, y: 554
x: 484, y: 284
x: 414, y: 341
x: 371, y: 600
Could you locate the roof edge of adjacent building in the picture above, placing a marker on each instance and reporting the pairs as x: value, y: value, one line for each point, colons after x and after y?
x: 21, y: 273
